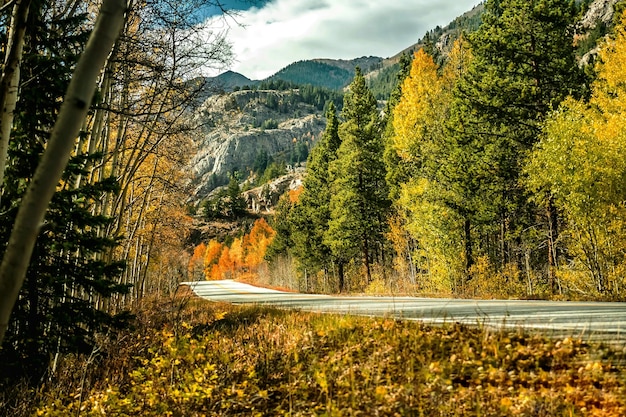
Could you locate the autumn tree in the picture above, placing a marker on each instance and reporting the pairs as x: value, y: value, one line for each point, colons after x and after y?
x: 142, y: 130
x: 426, y: 201
x: 122, y: 195
x: 195, y: 268
x: 578, y: 165
x: 257, y: 242
x: 212, y: 266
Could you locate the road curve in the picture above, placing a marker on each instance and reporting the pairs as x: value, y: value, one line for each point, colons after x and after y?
x: 589, y: 320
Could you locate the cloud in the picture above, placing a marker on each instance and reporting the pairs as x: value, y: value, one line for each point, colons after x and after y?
x: 269, y: 38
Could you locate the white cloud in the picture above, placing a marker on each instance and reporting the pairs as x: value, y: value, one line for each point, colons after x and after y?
x: 285, y: 31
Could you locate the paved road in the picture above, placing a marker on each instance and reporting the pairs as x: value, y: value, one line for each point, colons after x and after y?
x: 589, y: 320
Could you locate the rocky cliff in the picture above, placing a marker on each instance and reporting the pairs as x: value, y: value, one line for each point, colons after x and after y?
x: 239, y: 126
x: 263, y: 199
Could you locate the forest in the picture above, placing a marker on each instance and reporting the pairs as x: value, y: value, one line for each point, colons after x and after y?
x: 495, y: 172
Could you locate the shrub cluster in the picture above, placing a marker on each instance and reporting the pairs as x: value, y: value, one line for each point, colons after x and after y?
x: 226, y: 360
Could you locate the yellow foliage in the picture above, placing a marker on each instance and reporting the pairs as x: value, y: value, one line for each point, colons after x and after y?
x: 438, y: 230
x: 420, y: 91
x: 580, y: 164
x: 487, y: 282
x: 609, y: 90
x: 458, y: 62
x: 273, y: 363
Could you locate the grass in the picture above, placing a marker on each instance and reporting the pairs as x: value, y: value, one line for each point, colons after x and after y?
x: 195, y: 358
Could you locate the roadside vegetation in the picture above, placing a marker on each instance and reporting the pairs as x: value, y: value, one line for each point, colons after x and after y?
x: 189, y: 357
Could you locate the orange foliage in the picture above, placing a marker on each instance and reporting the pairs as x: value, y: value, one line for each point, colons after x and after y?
x: 213, y: 252
x: 259, y: 239
x: 195, y: 262
x: 213, y: 273
x: 225, y: 264
x: 211, y: 258
x: 294, y: 195
x: 242, y: 258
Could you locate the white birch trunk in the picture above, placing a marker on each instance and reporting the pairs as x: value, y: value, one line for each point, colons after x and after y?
x: 56, y: 156
x: 9, y: 84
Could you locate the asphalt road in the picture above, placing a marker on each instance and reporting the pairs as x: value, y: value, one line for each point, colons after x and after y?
x: 589, y: 320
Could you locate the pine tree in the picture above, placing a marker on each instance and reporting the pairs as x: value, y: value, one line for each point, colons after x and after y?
x: 359, y: 201
x: 236, y: 205
x: 59, y: 308
x: 524, y: 66
x: 301, y: 224
x: 312, y: 213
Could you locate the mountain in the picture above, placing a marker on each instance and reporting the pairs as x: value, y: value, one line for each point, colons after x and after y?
x: 366, y: 63
x: 241, y: 126
x: 314, y: 73
x: 230, y: 81
x: 334, y: 74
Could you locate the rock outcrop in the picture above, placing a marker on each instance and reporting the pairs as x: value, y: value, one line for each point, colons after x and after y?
x: 263, y: 199
x: 600, y: 11
x: 239, y: 126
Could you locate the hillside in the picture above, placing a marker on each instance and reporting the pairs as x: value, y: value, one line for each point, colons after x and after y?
x: 328, y: 73
x: 241, y: 126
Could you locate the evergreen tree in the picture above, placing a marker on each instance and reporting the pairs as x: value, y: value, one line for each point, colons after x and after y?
x: 300, y: 223
x: 524, y: 66
x: 60, y: 307
x: 312, y: 213
x: 236, y: 204
x: 359, y: 201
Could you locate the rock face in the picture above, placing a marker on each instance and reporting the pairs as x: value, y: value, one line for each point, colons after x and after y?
x: 263, y: 199
x: 600, y: 11
x: 239, y: 126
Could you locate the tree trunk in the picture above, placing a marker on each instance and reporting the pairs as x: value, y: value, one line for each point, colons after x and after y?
x: 366, y: 259
x: 553, y: 234
x: 56, y: 156
x: 11, y: 78
x: 469, y: 256
x: 340, y: 272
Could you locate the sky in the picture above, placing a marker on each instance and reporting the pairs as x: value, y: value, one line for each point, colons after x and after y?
x: 270, y: 35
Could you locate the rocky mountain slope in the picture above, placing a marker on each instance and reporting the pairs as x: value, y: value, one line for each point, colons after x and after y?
x: 239, y: 126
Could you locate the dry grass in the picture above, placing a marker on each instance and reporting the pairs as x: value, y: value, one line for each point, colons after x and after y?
x: 187, y: 357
